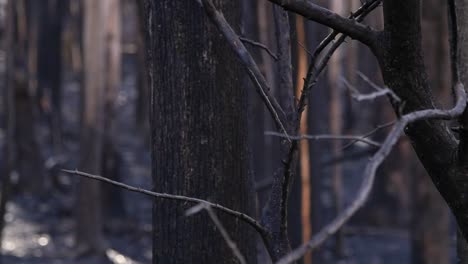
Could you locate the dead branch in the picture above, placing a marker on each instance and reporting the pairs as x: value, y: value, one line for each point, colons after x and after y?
x: 327, y: 137
x: 315, y: 68
x: 370, y: 133
x: 369, y: 173
x: 258, y: 79
x: 279, y: 194
x: 239, y: 215
x: 381, y: 92
x: 259, y: 45
x: 321, y: 15
x: 275, y: 212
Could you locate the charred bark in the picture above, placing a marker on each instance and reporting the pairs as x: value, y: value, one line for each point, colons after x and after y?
x: 198, y: 124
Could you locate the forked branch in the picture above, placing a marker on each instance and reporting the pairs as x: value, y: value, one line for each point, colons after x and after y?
x: 243, y: 54
x: 239, y: 215
x: 321, y: 15
x: 371, y: 168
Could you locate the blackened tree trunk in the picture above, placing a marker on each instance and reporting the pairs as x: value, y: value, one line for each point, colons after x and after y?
x: 458, y: 11
x: 402, y: 65
x: 199, y: 132
x: 430, y: 219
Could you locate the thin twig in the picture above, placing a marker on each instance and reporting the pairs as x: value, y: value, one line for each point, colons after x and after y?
x: 378, y: 88
x: 260, y: 45
x: 381, y: 92
x: 305, y: 48
x: 281, y: 182
x: 245, y: 218
x: 231, y: 244
x: 369, y: 173
x: 370, y: 133
x: 315, y: 69
x: 243, y: 54
x: 275, y: 211
x: 327, y: 137
x: 368, y: 81
x: 321, y: 15
x: 268, y: 102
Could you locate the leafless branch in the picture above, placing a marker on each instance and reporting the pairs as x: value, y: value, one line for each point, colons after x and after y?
x: 236, y: 44
x: 327, y: 137
x: 321, y: 15
x: 305, y: 48
x: 369, y: 173
x: 231, y: 244
x: 245, y: 218
x: 275, y: 210
x: 260, y: 45
x: 352, y: 26
x: 381, y: 92
x: 316, y: 68
x: 275, y: 213
x: 368, y: 81
x: 370, y: 133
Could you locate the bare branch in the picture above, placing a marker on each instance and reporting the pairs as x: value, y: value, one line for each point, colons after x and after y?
x: 243, y: 54
x: 315, y: 69
x: 370, y: 133
x: 381, y: 92
x: 231, y: 244
x: 368, y: 81
x: 305, y: 48
x: 327, y: 137
x: 369, y: 173
x: 275, y: 213
x: 260, y: 45
x: 245, y: 218
x: 321, y: 15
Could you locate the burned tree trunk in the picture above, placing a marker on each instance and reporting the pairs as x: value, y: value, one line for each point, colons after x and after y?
x: 430, y: 225
x: 458, y: 15
x: 199, y: 137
